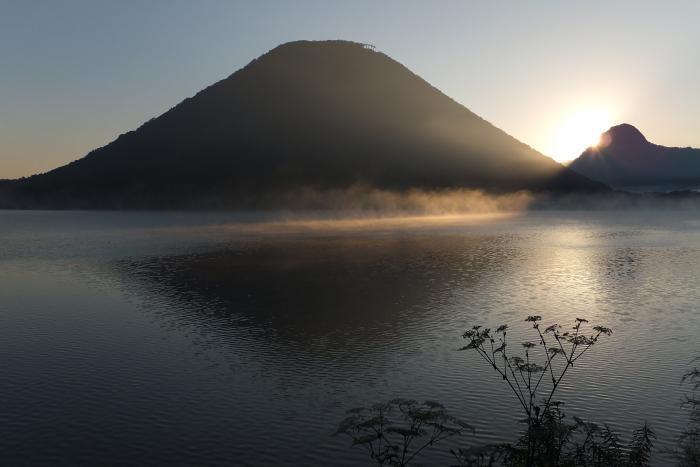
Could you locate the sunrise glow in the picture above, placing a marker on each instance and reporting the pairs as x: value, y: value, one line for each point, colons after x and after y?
x: 578, y: 131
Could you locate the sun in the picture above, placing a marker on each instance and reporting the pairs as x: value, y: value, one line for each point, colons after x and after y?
x: 577, y: 132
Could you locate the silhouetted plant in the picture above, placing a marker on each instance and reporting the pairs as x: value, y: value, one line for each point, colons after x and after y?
x: 482, y: 456
x: 394, y: 433
x: 689, y: 443
x: 597, y: 445
x: 521, y: 374
x: 542, y: 442
x: 561, y: 444
x: 388, y: 430
x: 549, y: 440
x: 642, y: 444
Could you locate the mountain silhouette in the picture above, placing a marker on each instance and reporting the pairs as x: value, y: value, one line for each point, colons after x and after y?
x: 306, y: 115
x: 625, y: 159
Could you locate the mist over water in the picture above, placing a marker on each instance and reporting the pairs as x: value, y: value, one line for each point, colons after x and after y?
x: 219, y: 339
x: 366, y: 201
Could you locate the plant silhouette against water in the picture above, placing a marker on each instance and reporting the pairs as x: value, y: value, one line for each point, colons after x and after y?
x: 524, y: 375
x: 394, y: 433
x: 389, y: 430
x: 689, y: 442
x: 549, y: 440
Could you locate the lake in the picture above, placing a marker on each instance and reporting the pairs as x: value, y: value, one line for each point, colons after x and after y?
x: 229, y: 339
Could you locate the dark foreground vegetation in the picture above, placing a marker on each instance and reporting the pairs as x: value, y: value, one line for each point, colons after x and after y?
x: 689, y: 443
x: 397, y: 432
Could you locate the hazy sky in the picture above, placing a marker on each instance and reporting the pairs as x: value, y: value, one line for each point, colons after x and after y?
x: 76, y: 74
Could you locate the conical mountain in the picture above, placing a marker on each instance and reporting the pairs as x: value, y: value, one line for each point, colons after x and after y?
x: 626, y: 159
x: 306, y: 115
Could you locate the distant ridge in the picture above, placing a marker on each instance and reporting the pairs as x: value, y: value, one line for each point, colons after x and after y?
x: 306, y: 115
x: 626, y: 160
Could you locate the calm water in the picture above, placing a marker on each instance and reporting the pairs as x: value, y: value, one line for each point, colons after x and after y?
x: 186, y: 339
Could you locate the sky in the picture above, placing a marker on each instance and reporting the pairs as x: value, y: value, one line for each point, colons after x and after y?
x: 75, y: 74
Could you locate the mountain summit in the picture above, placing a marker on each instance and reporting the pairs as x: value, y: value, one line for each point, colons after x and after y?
x: 624, y: 135
x: 306, y: 115
x: 625, y: 159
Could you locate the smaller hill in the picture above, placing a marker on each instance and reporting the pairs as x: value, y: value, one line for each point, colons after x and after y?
x: 625, y: 159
